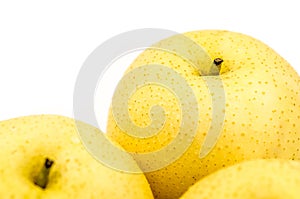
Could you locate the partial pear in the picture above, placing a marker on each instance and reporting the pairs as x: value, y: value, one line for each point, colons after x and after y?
x: 42, y: 156
x: 256, y: 179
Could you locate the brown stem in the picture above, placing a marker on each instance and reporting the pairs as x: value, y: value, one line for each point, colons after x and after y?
x: 43, y: 176
x: 218, y: 61
x: 215, y: 67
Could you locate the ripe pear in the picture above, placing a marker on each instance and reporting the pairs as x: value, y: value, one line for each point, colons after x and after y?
x: 261, y: 114
x: 42, y: 156
x: 255, y: 179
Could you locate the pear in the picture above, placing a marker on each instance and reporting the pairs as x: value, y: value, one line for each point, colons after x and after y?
x: 248, y: 108
x: 255, y: 179
x: 42, y: 156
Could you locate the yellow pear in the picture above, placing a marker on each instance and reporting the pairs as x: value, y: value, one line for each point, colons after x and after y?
x: 255, y: 179
x: 42, y: 156
x: 256, y: 116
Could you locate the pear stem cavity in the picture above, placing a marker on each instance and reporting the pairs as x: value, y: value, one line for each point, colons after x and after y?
x: 42, y: 178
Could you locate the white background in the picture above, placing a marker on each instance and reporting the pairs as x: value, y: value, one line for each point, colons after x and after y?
x: 44, y: 43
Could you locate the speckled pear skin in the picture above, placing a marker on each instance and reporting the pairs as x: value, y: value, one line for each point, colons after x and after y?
x: 253, y: 179
x: 262, y: 110
x: 27, y: 141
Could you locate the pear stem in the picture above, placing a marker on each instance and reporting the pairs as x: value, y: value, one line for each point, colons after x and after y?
x: 42, y: 178
x: 218, y: 61
x: 216, y: 67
